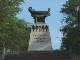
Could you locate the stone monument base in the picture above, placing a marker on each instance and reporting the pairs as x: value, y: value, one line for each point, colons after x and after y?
x: 39, y: 55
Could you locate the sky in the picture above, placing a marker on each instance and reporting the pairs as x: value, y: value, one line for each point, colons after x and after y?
x: 54, y: 20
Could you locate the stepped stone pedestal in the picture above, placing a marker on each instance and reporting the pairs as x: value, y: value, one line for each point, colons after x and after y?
x: 39, y: 55
x: 40, y: 39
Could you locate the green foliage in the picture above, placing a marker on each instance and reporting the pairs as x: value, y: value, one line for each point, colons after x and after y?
x: 62, y: 48
x: 9, y: 8
x: 14, y: 32
x: 70, y: 30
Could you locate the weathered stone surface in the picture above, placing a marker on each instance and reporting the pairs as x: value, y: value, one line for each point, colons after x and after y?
x: 40, y: 39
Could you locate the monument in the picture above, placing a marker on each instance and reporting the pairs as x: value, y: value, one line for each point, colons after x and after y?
x: 40, y: 46
x: 40, y: 39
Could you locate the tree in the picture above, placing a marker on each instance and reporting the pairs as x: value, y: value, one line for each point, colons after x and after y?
x: 9, y: 8
x: 14, y: 32
x: 70, y: 29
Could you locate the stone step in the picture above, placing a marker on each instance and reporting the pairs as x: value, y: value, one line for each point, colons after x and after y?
x: 39, y: 56
x: 38, y: 59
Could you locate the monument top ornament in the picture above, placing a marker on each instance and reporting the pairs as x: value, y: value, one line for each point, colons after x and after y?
x: 33, y: 12
x: 39, y: 16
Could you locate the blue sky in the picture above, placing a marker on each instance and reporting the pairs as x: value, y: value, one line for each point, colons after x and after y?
x: 53, y: 20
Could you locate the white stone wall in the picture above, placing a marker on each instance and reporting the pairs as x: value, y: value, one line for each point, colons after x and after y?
x: 40, y: 41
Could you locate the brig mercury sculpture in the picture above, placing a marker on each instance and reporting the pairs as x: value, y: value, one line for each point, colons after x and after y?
x: 40, y: 39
